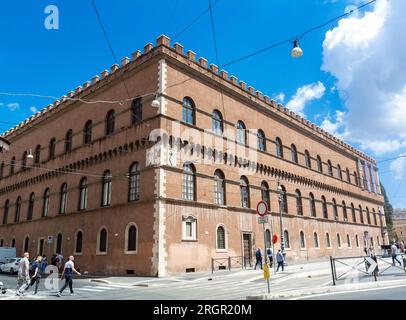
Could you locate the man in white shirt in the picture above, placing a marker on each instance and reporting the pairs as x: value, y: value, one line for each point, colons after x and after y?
x: 394, y: 250
x: 68, y: 271
x: 23, y: 279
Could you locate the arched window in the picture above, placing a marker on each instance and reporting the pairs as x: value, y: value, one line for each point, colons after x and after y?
x: 106, y: 188
x: 68, y: 141
x: 348, y: 175
x: 45, y: 207
x: 217, y: 122
x: 1, y: 242
x: 339, y: 172
x: 102, y: 241
x: 348, y: 241
x: 312, y: 203
x: 87, y: 132
x: 374, y: 214
x: 131, y: 245
x: 299, y: 205
x: 324, y: 207
x: 12, y: 165
x: 355, y: 179
x: 24, y: 161
x: 13, y: 243
x: 357, y: 241
x: 5, y: 211
x: 18, y: 210
x: 134, y: 182
x: 268, y: 242
x: 221, y: 238
x: 110, y: 122
x: 219, y: 187
x: 136, y: 111
x: 328, y: 241
x: 26, y: 244
x: 338, y: 240
x: 279, y: 147
x: 265, y: 193
x: 319, y: 164
x: 2, y: 170
x: 308, y: 161
x: 335, y: 211
x: 361, y: 215
x: 31, y: 202
x: 83, y: 194
x: 315, y: 240
x: 244, y: 192
x: 37, y: 154
x: 283, y: 200
x: 286, y: 239
x: 51, y: 149
x: 188, y: 111
x: 378, y: 242
x: 344, y: 211
x: 368, y: 215
x: 189, y: 182
x: 79, y: 242
x: 354, y: 216
x: 241, y: 132
x: 58, y: 247
x: 302, y: 240
x: 330, y: 168
x: 261, y: 140
x: 293, y: 151
x: 63, y: 197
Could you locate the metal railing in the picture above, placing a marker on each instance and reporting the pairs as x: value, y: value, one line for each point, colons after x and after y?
x: 229, y: 263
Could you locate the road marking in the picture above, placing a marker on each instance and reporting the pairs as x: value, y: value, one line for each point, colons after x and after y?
x: 89, y: 289
x: 104, y: 288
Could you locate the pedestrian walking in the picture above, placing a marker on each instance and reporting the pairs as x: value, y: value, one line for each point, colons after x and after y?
x: 258, y: 257
x: 68, y: 271
x: 270, y: 256
x: 394, y: 250
x: 37, y: 273
x: 279, y: 260
x: 23, y: 279
x: 44, y: 263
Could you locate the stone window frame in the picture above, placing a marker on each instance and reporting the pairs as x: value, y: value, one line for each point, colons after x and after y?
x: 318, y: 240
x: 225, y: 238
x: 76, y: 253
x: 328, y: 243
x: 127, y: 228
x: 349, y: 242
x: 193, y: 219
x: 98, y: 252
x: 304, y: 240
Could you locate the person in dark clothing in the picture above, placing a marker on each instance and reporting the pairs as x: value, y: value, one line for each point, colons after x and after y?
x: 258, y: 256
x: 279, y: 260
x: 270, y: 256
x: 37, y: 273
x: 68, y: 271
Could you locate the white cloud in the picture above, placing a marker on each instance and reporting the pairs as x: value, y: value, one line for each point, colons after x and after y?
x: 304, y: 95
x: 398, y: 166
x: 335, y: 126
x: 33, y: 109
x: 366, y: 55
x: 13, y: 106
x: 280, y: 97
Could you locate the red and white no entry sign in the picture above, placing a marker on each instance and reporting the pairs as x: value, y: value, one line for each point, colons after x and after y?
x: 262, y: 208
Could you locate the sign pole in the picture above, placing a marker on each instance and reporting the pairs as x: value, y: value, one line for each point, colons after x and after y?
x: 262, y: 210
x: 266, y: 260
x: 273, y: 247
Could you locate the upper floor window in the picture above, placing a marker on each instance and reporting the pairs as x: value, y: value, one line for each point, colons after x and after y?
x: 299, y: 206
x: 348, y: 175
x: 339, y: 172
x: 110, y: 122
x: 83, y: 194
x: 261, y: 140
x: 136, y: 111
x: 24, y: 161
x: 283, y: 199
x: 188, y: 111
x: 189, y: 182
x: 265, y: 194
x: 134, y: 182
x: 344, y: 211
x: 1, y: 170
x: 361, y: 214
x: 219, y: 187
x: 244, y: 192
x: 293, y: 151
x: 63, y: 198
x: 106, y: 188
x: 45, y: 208
x: 5, y: 212
x: 354, y: 217
x: 51, y: 150
x: 335, y: 211
x: 324, y: 207
x: 217, y: 122
x: 355, y: 179
x: 308, y: 162
x: 12, y: 165
x: 18, y: 210
x: 312, y: 205
x: 319, y: 164
x: 279, y: 147
x: 374, y: 214
x: 330, y: 168
x: 368, y: 215
x: 87, y: 132
x: 37, y: 155
x: 241, y: 132
x: 68, y: 141
x: 31, y: 206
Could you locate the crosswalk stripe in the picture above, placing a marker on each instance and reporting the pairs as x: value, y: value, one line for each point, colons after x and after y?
x: 89, y: 289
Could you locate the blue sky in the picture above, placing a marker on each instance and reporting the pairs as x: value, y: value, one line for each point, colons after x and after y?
x: 337, y: 84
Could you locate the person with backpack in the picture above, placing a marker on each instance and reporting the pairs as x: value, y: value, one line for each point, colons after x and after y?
x: 44, y: 263
x: 68, y: 271
x: 36, y: 273
x: 258, y: 256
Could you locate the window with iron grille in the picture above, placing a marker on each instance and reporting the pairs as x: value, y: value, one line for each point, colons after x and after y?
x: 134, y: 183
x: 106, y: 190
x: 244, y: 193
x: 217, y: 122
x: 221, y: 238
x: 188, y: 111
x: 45, y: 208
x: 188, y: 182
x: 219, y: 187
x: 83, y: 194
x: 63, y: 198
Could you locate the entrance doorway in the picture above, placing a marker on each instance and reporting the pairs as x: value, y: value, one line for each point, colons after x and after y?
x: 247, y: 248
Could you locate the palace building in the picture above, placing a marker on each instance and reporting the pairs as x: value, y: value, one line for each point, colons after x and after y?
x: 156, y: 166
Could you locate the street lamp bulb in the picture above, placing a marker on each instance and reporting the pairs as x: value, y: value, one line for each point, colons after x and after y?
x: 297, y: 52
x: 155, y: 103
x: 29, y: 154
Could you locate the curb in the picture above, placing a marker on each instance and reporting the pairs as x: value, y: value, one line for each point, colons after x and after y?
x: 101, y: 281
x: 329, y: 289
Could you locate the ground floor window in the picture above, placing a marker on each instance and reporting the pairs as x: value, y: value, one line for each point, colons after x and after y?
x: 189, y: 224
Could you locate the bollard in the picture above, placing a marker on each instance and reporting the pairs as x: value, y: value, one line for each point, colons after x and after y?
x: 212, y: 265
x: 229, y: 263
x: 332, y: 271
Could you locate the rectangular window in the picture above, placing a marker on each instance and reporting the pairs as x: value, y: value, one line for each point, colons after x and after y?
x: 188, y: 187
x: 189, y: 229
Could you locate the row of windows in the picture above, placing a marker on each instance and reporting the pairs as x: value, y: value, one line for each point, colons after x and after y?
x: 188, y: 116
x: 133, y: 195
x: 189, y: 193
x: 131, y: 236
x: 136, y: 117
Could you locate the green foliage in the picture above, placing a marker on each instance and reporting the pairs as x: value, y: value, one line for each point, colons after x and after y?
x: 388, y: 215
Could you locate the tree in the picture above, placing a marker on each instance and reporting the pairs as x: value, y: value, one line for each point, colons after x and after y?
x: 388, y: 215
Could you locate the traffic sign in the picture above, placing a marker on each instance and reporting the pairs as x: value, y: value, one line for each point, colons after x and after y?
x: 266, y: 271
x: 50, y: 239
x: 372, y: 264
x: 262, y: 208
x: 263, y: 220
